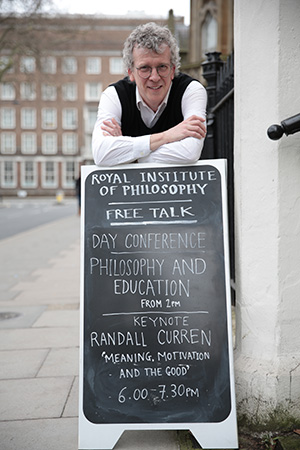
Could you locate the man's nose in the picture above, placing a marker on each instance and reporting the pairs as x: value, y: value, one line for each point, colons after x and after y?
x: 154, y: 74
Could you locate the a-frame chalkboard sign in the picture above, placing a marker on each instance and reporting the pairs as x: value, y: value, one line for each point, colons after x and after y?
x: 156, y: 344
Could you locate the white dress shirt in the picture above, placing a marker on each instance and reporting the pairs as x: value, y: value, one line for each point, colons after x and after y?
x: 115, y: 150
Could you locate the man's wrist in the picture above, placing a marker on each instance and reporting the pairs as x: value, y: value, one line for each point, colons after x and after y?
x: 157, y: 140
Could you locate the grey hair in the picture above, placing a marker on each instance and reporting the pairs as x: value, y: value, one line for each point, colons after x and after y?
x: 151, y: 36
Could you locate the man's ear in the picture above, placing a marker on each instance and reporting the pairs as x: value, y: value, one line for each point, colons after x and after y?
x: 131, y: 76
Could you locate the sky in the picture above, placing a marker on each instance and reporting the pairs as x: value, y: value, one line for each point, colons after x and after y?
x: 122, y: 7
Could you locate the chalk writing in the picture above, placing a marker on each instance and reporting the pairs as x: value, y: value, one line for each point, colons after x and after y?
x: 154, y: 288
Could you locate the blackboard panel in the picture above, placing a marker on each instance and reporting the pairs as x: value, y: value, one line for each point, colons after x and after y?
x: 155, y: 297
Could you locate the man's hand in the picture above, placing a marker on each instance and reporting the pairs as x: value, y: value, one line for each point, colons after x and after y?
x: 192, y: 127
x: 111, y: 128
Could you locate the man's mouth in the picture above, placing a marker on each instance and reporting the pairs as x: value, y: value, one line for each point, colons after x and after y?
x: 155, y: 88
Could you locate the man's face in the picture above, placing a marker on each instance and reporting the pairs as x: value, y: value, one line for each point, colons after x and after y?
x: 153, y: 89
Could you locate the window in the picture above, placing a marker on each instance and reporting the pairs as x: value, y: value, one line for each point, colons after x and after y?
x: 69, y: 65
x: 49, y: 174
x: 9, y: 174
x: 28, y: 118
x: 48, y: 64
x: 209, y: 34
x: 49, y: 143
x: 93, y: 66
x: 90, y: 119
x: 69, y: 118
x: 49, y: 118
x: 88, y: 146
x: 93, y: 91
x: 69, y: 92
x: 49, y: 92
x: 28, y: 174
x: 28, y: 91
x: 116, y: 66
x: 69, y: 143
x: 69, y: 174
x: 28, y: 143
x: 8, y: 118
x: 6, y: 64
x: 8, y: 143
x: 7, y: 91
x: 27, y: 64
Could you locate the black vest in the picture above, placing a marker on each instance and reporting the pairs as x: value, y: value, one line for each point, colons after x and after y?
x: 131, y: 121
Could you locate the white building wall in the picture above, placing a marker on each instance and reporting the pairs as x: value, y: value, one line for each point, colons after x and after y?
x: 267, y: 190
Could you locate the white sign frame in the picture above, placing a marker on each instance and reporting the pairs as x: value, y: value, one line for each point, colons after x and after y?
x: 209, y: 435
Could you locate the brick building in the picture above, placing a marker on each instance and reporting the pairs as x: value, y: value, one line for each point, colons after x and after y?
x: 211, y: 30
x: 49, y: 95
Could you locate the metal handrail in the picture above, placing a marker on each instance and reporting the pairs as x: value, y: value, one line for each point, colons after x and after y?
x: 222, y: 101
x: 287, y: 126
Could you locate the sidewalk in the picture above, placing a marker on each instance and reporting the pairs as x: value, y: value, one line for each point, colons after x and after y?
x: 39, y: 343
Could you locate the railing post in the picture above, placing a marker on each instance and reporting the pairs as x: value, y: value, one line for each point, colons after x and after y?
x: 219, y: 141
x: 210, y: 69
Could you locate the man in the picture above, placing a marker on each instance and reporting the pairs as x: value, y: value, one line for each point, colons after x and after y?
x: 156, y: 114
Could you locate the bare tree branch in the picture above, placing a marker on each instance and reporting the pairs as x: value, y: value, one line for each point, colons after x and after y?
x: 24, y: 30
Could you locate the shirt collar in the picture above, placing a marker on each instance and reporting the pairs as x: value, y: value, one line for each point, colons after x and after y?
x: 140, y: 101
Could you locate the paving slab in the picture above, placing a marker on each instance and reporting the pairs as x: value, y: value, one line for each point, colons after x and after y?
x: 6, y: 292
x: 60, y: 362
x: 42, y: 297
x: 34, y: 398
x: 37, y: 247
x: 71, y: 408
x: 63, y: 307
x: 148, y: 440
x: 54, y: 284
x: 21, y: 363
x: 50, y: 434
x: 58, y: 278
x: 33, y: 338
x: 19, y: 316
x: 58, y: 318
x: 45, y: 288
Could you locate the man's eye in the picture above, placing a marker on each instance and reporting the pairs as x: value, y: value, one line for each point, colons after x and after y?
x: 144, y: 68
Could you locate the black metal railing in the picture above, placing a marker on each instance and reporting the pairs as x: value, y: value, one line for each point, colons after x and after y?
x: 220, y: 126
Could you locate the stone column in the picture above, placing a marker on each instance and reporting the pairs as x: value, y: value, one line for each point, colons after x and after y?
x: 267, y: 205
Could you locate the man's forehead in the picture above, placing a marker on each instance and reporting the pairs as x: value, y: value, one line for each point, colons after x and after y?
x: 139, y: 51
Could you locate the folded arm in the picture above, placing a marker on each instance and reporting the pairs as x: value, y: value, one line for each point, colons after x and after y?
x: 180, y: 144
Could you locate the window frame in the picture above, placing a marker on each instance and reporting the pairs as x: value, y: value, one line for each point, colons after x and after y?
x: 69, y: 65
x: 8, y: 135
x: 24, y: 144
x: 49, y: 123
x: 34, y: 183
x: 14, y: 178
x: 93, y: 65
x: 24, y: 120
x: 12, y: 118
